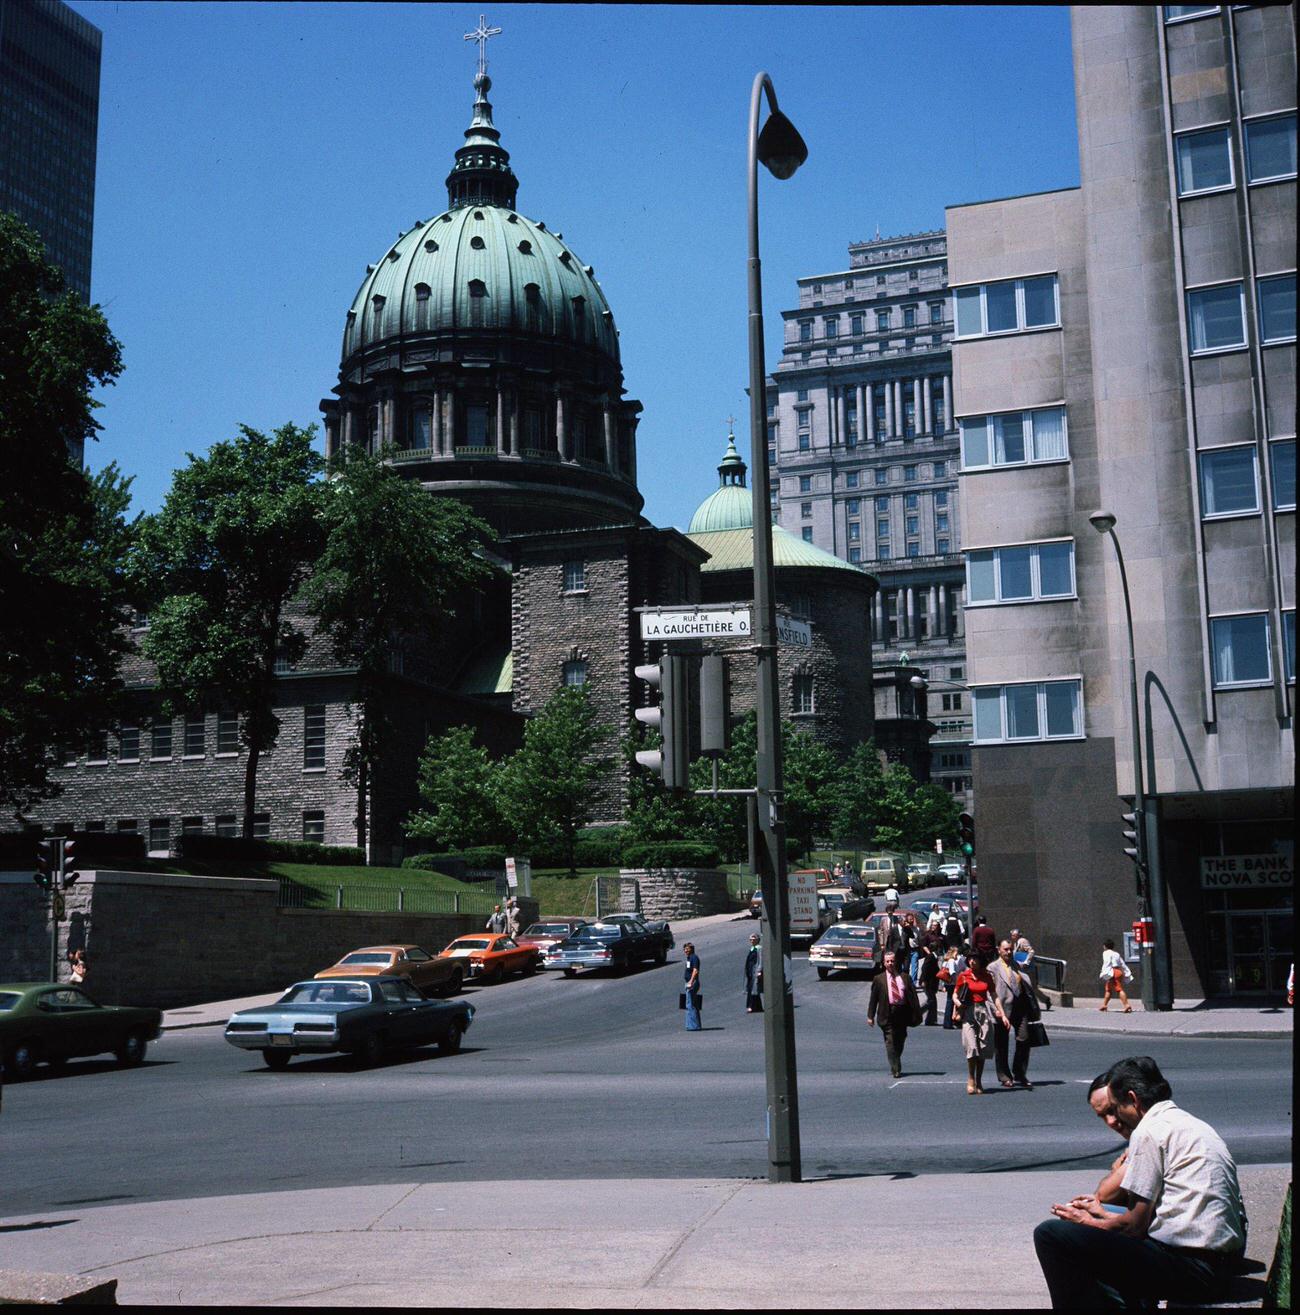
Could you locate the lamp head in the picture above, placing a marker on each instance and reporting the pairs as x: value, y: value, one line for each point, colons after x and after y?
x: 1102, y: 521
x: 919, y: 682
x: 780, y: 148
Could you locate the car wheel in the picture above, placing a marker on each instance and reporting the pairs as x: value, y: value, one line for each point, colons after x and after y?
x: 530, y: 967
x: 496, y: 976
x: 661, y: 957
x: 277, y: 1058
x: 455, y: 984
x: 131, y: 1051
x: 450, y: 1044
x: 570, y: 972
x: 372, y: 1051
x: 22, y: 1060
x: 823, y: 973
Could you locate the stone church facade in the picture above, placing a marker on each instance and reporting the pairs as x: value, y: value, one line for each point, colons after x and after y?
x: 481, y: 358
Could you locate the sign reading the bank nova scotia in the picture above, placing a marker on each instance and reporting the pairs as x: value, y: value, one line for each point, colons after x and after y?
x: 1247, y: 871
x: 669, y: 624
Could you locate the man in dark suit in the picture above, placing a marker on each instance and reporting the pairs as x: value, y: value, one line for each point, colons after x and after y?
x: 894, y: 1006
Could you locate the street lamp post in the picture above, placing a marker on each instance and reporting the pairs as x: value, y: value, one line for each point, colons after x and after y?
x: 1156, y: 986
x: 781, y: 150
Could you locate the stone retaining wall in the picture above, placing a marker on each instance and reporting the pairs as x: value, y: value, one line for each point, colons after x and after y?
x: 167, y: 940
x: 675, y: 892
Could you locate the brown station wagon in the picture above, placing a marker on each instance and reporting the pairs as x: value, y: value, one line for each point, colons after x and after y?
x: 429, y: 974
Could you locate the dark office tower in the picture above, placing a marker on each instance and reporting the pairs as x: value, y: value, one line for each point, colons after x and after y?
x: 49, y: 116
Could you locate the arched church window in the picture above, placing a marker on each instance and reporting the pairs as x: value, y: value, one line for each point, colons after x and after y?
x: 580, y: 319
x: 477, y: 432
x: 575, y: 672
x: 372, y: 429
x: 422, y: 293
x: 532, y: 307
x: 376, y: 316
x: 420, y: 424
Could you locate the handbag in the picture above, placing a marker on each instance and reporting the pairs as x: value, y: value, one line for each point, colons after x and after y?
x: 698, y: 996
x: 1036, y: 1035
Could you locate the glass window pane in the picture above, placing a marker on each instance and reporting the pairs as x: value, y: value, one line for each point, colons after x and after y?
x: 1008, y: 438
x: 1288, y: 643
x: 1270, y: 148
x: 1040, y: 300
x: 975, y: 442
x: 1055, y: 569
x: 1014, y: 566
x: 1000, y: 302
x: 1062, y: 707
x: 1215, y: 315
x: 1203, y: 160
x: 987, y: 704
x: 969, y: 317
x: 1022, y: 712
x: 1277, y: 308
x: 1240, y: 646
x: 980, y: 576
x: 1188, y: 11
x: 1228, y: 481
x: 1049, y: 435
x: 1283, y: 474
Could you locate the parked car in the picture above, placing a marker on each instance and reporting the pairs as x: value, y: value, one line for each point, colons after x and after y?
x: 845, y: 945
x: 429, y: 974
x: 756, y: 904
x: 920, y: 875
x: 491, y: 958
x: 542, y: 935
x: 617, y: 945
x: 952, y: 872
x: 46, y: 1023
x: 651, y: 924
x: 844, y: 904
x: 363, y: 1016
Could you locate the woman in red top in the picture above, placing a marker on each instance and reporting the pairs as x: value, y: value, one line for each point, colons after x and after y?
x: 976, y: 1008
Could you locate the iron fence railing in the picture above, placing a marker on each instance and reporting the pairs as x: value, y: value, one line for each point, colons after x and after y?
x: 383, y: 899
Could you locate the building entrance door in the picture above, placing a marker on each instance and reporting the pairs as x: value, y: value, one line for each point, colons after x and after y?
x: 1253, y: 949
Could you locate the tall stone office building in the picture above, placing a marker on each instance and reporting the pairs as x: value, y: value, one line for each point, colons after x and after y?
x: 1129, y: 345
x: 864, y: 458
x: 49, y: 120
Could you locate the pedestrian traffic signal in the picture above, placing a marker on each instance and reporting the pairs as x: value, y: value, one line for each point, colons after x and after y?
x: 715, y: 704
x: 46, y: 861
x: 671, y: 719
x: 966, y: 829
x: 68, y: 868
x: 1132, y: 833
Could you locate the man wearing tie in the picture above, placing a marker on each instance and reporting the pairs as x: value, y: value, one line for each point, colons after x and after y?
x: 894, y: 1006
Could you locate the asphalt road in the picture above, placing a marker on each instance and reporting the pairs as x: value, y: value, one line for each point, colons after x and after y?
x: 595, y: 1077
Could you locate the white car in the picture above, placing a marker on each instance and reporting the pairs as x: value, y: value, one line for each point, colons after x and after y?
x: 953, y: 872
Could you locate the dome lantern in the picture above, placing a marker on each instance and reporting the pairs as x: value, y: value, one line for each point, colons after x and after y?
x: 482, y: 173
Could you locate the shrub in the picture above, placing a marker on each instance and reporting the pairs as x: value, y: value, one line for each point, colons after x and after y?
x: 671, y: 854
x: 481, y: 864
x: 221, y: 849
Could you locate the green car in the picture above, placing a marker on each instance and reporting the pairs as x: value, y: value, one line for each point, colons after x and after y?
x: 49, y: 1023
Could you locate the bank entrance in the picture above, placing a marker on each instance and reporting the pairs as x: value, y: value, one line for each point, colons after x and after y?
x: 1251, y: 941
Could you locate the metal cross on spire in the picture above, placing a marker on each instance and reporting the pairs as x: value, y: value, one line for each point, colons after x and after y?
x: 731, y: 425
x: 481, y: 35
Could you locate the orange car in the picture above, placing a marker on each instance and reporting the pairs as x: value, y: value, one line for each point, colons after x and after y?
x: 429, y: 975
x: 489, y: 957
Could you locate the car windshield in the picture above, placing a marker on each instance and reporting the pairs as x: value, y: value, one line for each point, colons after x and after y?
x: 327, y: 993
x: 366, y: 958
x: 8, y: 999
x: 470, y: 943
x: 548, y: 929
x: 598, y: 933
x: 850, y: 934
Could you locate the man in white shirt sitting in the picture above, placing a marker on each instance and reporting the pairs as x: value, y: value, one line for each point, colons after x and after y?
x: 1184, y: 1227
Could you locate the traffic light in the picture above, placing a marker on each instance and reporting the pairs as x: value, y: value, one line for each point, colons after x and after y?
x: 46, y: 862
x: 715, y: 704
x: 68, y: 869
x: 671, y: 719
x: 1132, y: 833
x: 966, y: 829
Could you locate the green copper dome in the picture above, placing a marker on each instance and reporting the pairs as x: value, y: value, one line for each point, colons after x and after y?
x: 730, y: 506
x: 480, y: 266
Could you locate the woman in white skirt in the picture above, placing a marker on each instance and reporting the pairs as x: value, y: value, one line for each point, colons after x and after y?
x: 976, y: 1008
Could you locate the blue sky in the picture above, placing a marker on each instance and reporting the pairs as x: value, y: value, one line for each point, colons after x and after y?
x: 253, y: 158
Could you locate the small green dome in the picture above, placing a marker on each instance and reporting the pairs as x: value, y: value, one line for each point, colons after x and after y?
x: 730, y: 506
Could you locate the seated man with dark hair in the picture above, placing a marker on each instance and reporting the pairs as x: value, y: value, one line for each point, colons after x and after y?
x: 1184, y: 1225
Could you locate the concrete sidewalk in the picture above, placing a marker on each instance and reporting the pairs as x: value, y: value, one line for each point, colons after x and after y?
x: 648, y: 1243
x: 1188, y: 1018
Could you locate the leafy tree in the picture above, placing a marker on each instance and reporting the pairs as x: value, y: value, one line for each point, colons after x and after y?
x: 222, y: 560
x: 393, y: 561
x: 458, y: 788
x: 64, y: 535
x: 883, y: 807
x: 546, y: 787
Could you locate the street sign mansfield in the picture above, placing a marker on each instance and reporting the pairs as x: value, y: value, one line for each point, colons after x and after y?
x: 695, y: 623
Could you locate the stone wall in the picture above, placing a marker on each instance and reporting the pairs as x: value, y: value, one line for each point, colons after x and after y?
x: 675, y: 892
x: 168, y: 940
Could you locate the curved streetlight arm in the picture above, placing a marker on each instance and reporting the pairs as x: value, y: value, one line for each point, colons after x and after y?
x: 1138, y: 793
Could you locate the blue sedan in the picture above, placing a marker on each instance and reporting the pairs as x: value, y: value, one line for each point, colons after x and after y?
x: 363, y: 1016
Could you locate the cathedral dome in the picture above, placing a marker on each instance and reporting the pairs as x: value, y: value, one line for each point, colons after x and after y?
x: 730, y: 505
x: 481, y: 268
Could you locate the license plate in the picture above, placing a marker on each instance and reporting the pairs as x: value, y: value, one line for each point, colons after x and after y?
x: 282, y: 1040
